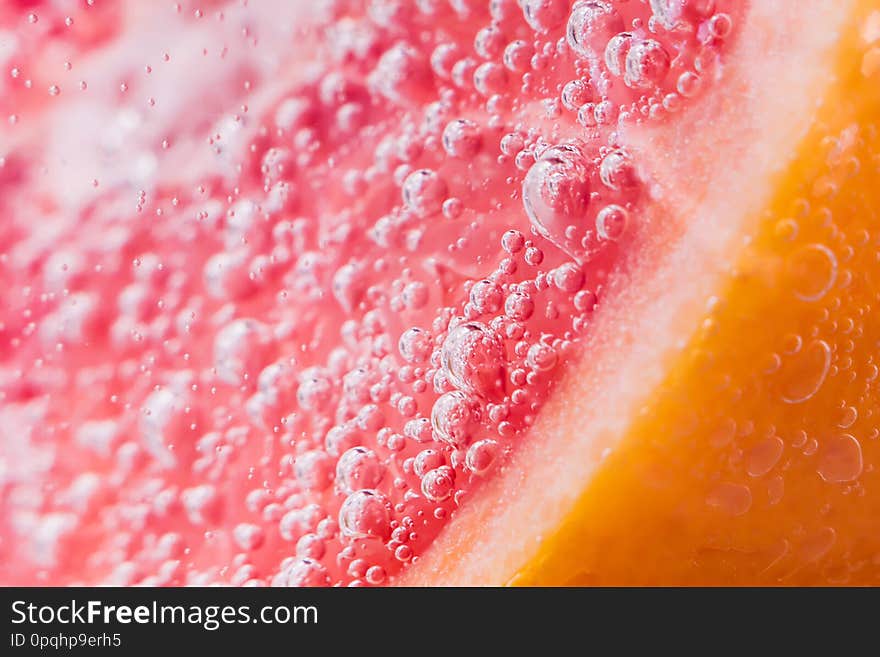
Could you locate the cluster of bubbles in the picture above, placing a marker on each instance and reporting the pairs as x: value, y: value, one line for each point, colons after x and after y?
x: 306, y: 362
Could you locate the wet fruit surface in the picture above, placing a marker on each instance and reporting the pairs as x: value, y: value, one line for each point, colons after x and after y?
x: 285, y: 286
x: 752, y: 459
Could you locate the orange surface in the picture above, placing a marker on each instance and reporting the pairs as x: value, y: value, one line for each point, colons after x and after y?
x: 723, y: 427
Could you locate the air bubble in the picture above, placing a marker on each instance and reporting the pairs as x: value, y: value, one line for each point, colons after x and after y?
x: 804, y: 375
x: 307, y: 573
x: 617, y: 172
x: 358, y: 468
x: 513, y: 241
x: 415, y: 345
x: 556, y: 193
x: 616, y: 51
x: 568, y: 277
x: 813, y: 271
x: 840, y: 459
x: 688, y: 84
x: 519, y: 306
x: 733, y: 499
x: 481, y: 456
x: 486, y: 296
x: 764, y: 456
x: 489, y: 42
x: 315, y: 390
x: 590, y: 26
x: 490, y: 78
x: 427, y: 460
x: 365, y: 514
x: 575, y: 94
x: 668, y: 12
x: 541, y: 357
x: 297, y: 522
x: 720, y: 25
x: 452, y: 208
x: 461, y: 138
x: 238, y: 350
x: 419, y: 430
x: 473, y: 357
x: 545, y: 15
x: 647, y: 63
x: 611, y: 222
x: 452, y: 418
x: 424, y: 192
x: 439, y: 484
x: 313, y: 470
x: 402, y: 75
x: 518, y: 55
x: 248, y: 536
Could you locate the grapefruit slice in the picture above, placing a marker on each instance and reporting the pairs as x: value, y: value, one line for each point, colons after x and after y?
x: 528, y: 292
x: 735, y: 445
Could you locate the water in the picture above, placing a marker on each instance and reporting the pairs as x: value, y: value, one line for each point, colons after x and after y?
x: 301, y: 311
